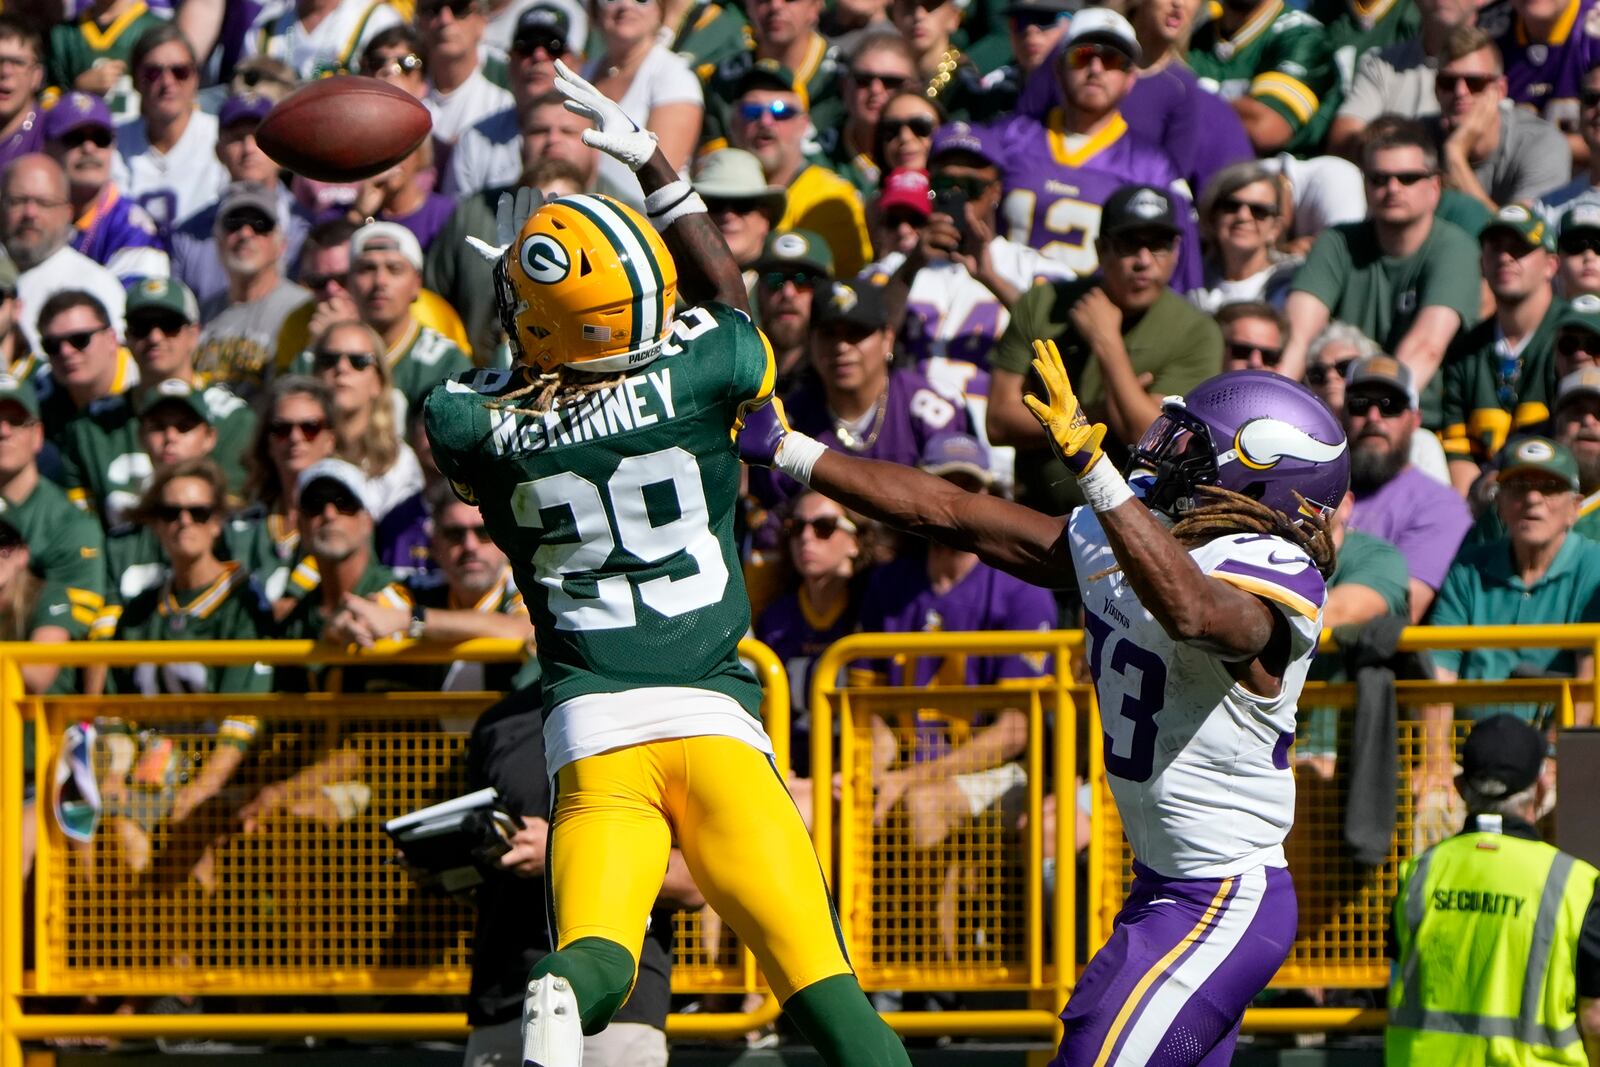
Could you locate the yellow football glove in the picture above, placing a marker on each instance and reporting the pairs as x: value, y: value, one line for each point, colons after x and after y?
x: 1076, y: 440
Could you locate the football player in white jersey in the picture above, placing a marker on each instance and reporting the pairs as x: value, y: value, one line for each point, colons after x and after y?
x: 1203, y: 594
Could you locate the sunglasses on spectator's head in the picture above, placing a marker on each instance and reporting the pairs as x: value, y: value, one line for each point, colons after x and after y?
x: 319, y: 494
x: 151, y: 73
x: 1080, y: 56
x: 283, y: 429
x: 920, y: 125
x: 389, y: 66
x: 1388, y: 404
x: 777, y: 110
x: 258, y: 222
x: 198, y: 513
x: 77, y: 340
x: 823, y: 526
x: 145, y: 325
x: 1380, y: 179
x: 1574, y: 244
x: 327, y: 359
x: 95, y: 135
x: 1571, y: 342
x: 891, y: 82
x: 1241, y: 352
x: 456, y: 534
x: 1318, y: 373
x: 1446, y: 82
x: 553, y: 45
x: 802, y: 279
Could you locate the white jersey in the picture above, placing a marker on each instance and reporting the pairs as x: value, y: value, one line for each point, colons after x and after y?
x: 1198, y: 764
x: 334, y: 47
x: 171, y: 185
x: 464, y: 106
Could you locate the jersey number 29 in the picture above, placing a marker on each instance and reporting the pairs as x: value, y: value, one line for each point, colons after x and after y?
x: 1130, y: 743
x: 611, y: 607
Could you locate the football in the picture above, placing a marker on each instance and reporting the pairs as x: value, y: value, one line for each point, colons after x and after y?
x: 343, y: 129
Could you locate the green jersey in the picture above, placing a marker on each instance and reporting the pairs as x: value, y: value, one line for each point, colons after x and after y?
x: 503, y: 598
x: 103, y: 462
x: 306, y: 620
x: 710, y: 33
x: 420, y: 360
x: 617, y: 510
x: 266, y: 543
x: 135, y: 564
x: 1491, y: 393
x: 231, y: 608
x: 65, y: 546
x: 73, y: 50
x: 1280, y: 57
x: 1356, y: 27
x: 819, y: 72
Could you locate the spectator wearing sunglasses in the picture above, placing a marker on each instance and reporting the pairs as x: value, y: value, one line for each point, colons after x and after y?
x: 295, y: 431
x: 36, y: 229
x: 92, y: 54
x: 879, y: 68
x: 167, y: 158
x: 196, y: 258
x: 1404, y: 278
x: 1398, y: 79
x: 1241, y: 222
x: 1491, y: 151
x: 458, y: 94
x: 1275, y: 63
x: 792, y: 266
x: 769, y: 122
x: 1252, y: 335
x: 330, y: 44
x: 110, y: 229
x: 740, y: 200
x: 783, y: 33
x: 336, y: 528
x: 1578, y: 246
x: 241, y: 327
x: 489, y: 154
x: 905, y: 132
x: 21, y: 77
x: 1096, y: 68
x: 87, y: 368
x: 1035, y: 29
x: 1329, y: 360
x: 103, y: 462
x: 945, y: 74
x: 1500, y: 376
x: 505, y: 19
x: 1395, y: 500
x: 396, y: 56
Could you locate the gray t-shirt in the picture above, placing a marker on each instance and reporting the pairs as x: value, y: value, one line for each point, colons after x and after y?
x: 1532, y: 157
x: 239, y: 341
x: 1396, y: 80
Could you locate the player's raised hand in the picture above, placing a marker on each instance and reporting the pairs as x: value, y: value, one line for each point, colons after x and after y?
x: 762, y: 433
x: 1076, y: 440
x: 614, y: 132
x: 510, y: 215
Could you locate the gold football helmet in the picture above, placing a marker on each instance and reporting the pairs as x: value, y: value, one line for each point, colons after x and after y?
x: 587, y: 282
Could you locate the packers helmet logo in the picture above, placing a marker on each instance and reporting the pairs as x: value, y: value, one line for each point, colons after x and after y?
x: 544, y: 259
x: 1535, y: 451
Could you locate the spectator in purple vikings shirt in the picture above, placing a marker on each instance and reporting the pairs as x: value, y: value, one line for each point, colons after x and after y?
x: 21, y: 75
x: 1547, y: 47
x: 397, y: 195
x: 111, y: 229
x: 948, y: 769
x: 1062, y: 170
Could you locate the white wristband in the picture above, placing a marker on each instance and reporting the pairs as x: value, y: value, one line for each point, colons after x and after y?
x: 1103, y: 487
x: 672, y: 202
x: 797, y: 455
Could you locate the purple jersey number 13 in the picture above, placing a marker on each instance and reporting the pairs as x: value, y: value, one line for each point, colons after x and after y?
x: 1136, y: 764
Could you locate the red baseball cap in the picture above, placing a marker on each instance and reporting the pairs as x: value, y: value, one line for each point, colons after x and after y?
x: 907, y: 188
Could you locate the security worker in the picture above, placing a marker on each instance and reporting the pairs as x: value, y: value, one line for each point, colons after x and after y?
x: 1495, y: 934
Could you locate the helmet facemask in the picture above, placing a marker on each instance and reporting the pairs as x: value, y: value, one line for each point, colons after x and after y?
x: 1177, y: 450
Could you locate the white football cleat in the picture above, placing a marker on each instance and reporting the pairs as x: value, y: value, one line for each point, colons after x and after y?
x: 552, y: 1032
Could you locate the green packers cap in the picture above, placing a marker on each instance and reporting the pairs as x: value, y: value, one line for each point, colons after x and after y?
x: 1583, y: 216
x: 19, y: 392
x: 173, y: 391
x: 1525, y: 224
x: 163, y: 294
x: 1539, y: 454
x: 789, y: 249
x: 1582, y: 312
x: 770, y: 74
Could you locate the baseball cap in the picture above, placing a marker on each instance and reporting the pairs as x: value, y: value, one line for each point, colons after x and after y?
x: 174, y: 391
x: 852, y: 303
x: 734, y: 174
x: 956, y: 453
x: 347, y: 475
x: 1524, y: 223
x: 243, y: 107
x: 1583, y: 216
x: 19, y: 392
x: 247, y: 194
x: 386, y: 237
x: 1539, y: 454
x: 907, y: 188
x: 788, y: 249
x: 1501, y: 756
x: 770, y: 74
x: 1383, y: 370
x: 963, y: 137
x: 1137, y: 207
x: 163, y: 294
x: 1582, y: 312
x: 74, y: 111
x: 1101, y: 25
x: 1585, y: 381
x: 541, y: 21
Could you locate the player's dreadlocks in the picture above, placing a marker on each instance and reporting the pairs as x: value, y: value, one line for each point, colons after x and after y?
x: 1227, y: 512
x: 556, y: 389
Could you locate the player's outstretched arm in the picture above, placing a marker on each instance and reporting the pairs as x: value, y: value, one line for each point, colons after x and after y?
x: 1189, y: 605
x: 706, y: 269
x: 1016, y: 539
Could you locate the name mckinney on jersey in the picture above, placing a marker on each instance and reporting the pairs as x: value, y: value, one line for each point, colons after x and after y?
x: 622, y: 407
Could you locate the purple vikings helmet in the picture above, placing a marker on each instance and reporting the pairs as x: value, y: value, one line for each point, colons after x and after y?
x: 1251, y: 431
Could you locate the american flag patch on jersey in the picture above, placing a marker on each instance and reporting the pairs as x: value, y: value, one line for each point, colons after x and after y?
x: 597, y: 333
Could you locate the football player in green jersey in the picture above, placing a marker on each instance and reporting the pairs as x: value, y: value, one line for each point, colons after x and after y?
x: 604, y: 467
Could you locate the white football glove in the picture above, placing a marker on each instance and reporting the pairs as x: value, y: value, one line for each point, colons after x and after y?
x: 509, y: 217
x: 615, y: 133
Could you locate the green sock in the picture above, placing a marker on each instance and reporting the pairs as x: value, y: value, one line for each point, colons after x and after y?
x: 601, y: 973
x: 838, y: 1020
